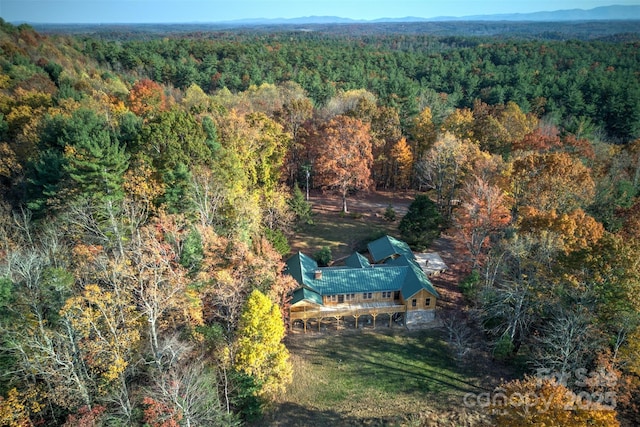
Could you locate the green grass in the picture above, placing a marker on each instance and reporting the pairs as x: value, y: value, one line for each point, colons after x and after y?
x: 343, y: 234
x: 354, y: 377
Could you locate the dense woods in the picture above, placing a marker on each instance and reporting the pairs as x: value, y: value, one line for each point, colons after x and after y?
x: 149, y: 185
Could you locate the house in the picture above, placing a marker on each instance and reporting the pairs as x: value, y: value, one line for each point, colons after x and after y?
x: 390, y: 283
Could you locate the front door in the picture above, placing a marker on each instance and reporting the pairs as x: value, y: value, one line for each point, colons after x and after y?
x: 340, y: 299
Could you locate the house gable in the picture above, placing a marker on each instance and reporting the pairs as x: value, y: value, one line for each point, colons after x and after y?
x: 357, y: 260
x: 416, y: 278
x: 303, y: 296
x: 302, y: 268
x: 388, y: 247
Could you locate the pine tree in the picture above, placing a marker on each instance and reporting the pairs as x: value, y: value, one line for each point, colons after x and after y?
x: 96, y: 160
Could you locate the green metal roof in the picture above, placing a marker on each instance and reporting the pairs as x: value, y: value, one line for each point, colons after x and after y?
x: 302, y: 268
x: 416, y: 278
x: 344, y: 280
x: 400, y: 273
x: 386, y: 247
x: 357, y: 260
x: 304, y: 294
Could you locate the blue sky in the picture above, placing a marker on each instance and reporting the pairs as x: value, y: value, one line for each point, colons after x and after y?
x: 155, y: 11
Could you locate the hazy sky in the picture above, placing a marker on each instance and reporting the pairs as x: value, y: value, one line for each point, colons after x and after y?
x: 143, y: 11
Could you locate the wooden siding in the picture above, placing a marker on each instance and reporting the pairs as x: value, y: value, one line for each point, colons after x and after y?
x: 357, y: 298
x: 421, y: 300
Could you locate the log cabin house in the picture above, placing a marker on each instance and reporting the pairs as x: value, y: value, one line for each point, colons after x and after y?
x: 390, y: 283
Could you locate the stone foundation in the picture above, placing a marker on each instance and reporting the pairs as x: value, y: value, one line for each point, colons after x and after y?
x: 416, y: 318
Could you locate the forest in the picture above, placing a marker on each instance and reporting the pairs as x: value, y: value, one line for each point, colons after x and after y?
x: 149, y: 185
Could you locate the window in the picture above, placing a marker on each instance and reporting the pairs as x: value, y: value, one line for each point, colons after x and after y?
x: 367, y: 295
x: 350, y: 297
x: 414, y: 302
x: 386, y: 294
x: 427, y: 302
x: 334, y: 298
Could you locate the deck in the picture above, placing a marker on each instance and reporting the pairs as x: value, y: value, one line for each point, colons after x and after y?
x: 337, y: 312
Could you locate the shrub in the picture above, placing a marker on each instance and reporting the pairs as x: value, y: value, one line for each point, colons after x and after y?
x: 504, y: 348
x: 390, y: 214
x: 323, y: 257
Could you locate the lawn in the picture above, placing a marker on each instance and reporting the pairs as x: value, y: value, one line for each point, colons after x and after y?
x: 376, y: 378
x: 345, y: 233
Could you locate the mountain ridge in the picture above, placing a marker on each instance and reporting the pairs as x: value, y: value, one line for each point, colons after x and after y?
x: 603, y: 13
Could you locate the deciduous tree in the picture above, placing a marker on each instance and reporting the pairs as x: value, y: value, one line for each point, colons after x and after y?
x: 482, y: 213
x: 146, y: 98
x: 402, y: 164
x: 344, y: 158
x: 260, y: 352
x: 551, y: 181
x: 443, y: 168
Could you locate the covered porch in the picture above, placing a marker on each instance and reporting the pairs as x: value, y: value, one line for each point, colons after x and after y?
x: 370, y: 311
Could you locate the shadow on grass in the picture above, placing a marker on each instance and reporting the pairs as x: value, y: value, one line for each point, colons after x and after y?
x: 352, y: 366
x: 418, y: 364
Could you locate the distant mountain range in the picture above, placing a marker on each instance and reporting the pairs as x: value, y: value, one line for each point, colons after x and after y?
x: 598, y: 14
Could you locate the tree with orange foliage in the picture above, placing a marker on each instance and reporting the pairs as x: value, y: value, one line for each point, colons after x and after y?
x: 631, y: 221
x: 545, y: 402
x: 147, y: 98
x: 551, y: 181
x: 483, y: 212
x: 343, y: 156
x: 576, y: 230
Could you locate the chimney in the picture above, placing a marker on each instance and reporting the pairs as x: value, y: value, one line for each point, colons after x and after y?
x: 318, y: 275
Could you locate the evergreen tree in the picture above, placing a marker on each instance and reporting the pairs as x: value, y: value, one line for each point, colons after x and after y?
x: 421, y: 224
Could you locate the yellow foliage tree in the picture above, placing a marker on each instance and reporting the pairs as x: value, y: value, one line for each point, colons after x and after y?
x: 460, y: 124
x: 402, y: 159
x: 424, y: 132
x: 108, y: 326
x: 260, y: 352
x: 16, y: 408
x: 576, y: 229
